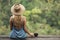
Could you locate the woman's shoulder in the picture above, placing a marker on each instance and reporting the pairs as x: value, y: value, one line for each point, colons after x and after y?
x: 11, y: 18
x: 23, y: 17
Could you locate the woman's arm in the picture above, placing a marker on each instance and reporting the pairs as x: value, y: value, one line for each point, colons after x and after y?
x: 11, y: 24
x: 25, y: 28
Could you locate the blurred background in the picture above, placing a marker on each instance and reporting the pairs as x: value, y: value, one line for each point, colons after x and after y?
x: 43, y: 16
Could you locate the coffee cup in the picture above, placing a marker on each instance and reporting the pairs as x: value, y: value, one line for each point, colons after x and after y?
x: 35, y: 34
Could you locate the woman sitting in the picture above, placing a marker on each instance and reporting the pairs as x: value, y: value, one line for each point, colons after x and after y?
x: 18, y: 22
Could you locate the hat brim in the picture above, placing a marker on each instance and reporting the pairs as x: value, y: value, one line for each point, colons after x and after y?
x: 20, y: 12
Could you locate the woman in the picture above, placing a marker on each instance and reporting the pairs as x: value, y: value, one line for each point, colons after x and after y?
x: 18, y: 22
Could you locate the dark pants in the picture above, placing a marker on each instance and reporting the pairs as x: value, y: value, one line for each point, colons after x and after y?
x: 17, y: 38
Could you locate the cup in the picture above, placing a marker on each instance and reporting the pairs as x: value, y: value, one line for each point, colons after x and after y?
x: 35, y: 34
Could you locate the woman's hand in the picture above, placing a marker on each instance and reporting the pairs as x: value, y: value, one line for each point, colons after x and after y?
x: 31, y: 34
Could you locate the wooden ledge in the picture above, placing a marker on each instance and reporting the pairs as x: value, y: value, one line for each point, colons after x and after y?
x: 41, y: 36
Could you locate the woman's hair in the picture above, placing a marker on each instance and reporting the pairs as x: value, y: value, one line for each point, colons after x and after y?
x: 18, y: 21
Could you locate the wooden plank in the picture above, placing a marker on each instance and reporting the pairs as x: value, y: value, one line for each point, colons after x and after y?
x: 41, y: 37
x: 34, y: 39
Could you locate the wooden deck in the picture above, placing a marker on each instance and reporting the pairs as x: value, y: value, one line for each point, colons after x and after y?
x: 41, y: 37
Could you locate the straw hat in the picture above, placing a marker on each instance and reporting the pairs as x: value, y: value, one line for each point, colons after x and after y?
x: 17, y: 9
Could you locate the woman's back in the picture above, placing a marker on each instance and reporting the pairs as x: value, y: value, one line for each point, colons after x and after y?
x: 18, y: 22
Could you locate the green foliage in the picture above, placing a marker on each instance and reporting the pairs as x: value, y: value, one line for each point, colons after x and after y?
x: 43, y: 16
x: 4, y: 30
